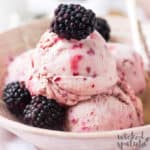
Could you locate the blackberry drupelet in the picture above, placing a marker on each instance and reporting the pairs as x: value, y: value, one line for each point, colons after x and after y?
x: 16, y: 96
x: 44, y: 113
x: 73, y: 22
x: 103, y: 28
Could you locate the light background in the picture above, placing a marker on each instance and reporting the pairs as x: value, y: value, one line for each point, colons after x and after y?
x: 16, y: 12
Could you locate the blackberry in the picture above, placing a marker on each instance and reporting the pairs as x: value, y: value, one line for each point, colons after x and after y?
x: 16, y: 97
x: 73, y: 21
x: 103, y: 28
x: 44, y: 113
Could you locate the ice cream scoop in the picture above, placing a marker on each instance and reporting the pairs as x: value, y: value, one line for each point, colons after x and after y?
x: 130, y: 66
x: 20, y: 67
x: 118, y: 108
x: 67, y: 70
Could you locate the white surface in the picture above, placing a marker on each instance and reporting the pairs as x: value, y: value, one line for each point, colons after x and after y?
x: 18, y: 144
x: 9, y: 141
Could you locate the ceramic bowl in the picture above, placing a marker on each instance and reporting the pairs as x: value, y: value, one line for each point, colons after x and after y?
x: 13, y: 43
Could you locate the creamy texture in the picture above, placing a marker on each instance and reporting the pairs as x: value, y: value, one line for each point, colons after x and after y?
x: 116, y: 109
x: 20, y: 67
x: 68, y: 71
x: 130, y: 66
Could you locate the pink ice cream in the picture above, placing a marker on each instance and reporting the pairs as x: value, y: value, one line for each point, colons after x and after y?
x: 129, y: 65
x: 118, y: 108
x: 83, y: 76
x: 20, y: 67
x: 68, y: 71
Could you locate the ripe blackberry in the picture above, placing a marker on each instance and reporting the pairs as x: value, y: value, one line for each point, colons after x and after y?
x: 103, y: 28
x: 44, y: 113
x: 73, y: 22
x: 16, y: 97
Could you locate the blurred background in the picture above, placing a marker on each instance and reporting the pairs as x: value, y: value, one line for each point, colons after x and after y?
x: 18, y: 12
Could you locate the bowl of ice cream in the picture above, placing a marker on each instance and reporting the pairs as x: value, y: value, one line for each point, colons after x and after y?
x: 72, y: 91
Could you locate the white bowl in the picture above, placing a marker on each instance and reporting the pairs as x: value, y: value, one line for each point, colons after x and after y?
x: 14, y: 42
x: 55, y: 140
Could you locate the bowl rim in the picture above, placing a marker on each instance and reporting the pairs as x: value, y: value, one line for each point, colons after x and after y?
x: 62, y: 134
